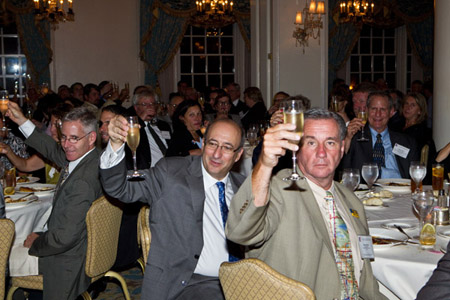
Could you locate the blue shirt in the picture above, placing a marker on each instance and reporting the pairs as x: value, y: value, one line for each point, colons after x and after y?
x: 391, y: 169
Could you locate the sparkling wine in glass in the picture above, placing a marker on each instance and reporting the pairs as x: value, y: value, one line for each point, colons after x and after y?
x: 293, y: 113
x: 351, y: 178
x: 133, y: 138
x: 362, y: 114
x: 423, y: 203
x: 4, y: 101
x: 369, y: 172
x: 417, y: 171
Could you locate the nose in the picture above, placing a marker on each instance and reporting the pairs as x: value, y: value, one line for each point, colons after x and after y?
x: 64, y: 143
x: 321, y: 151
x: 217, y: 153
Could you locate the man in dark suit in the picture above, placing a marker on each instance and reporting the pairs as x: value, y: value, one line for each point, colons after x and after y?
x: 188, y: 198
x: 155, y: 134
x: 238, y: 108
x: 62, y: 249
x: 393, y: 151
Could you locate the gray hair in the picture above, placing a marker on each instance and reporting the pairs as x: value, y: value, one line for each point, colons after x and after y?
x: 147, y: 93
x: 384, y: 94
x: 235, y: 85
x: 323, y: 114
x: 85, y: 115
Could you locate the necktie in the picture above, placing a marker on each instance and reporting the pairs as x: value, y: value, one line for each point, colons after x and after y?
x: 378, y: 152
x: 63, y: 176
x: 343, y: 250
x: 224, y: 211
x: 158, y: 141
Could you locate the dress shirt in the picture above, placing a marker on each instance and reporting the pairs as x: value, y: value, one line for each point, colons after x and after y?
x: 319, y: 194
x: 214, y: 250
x: 391, y: 170
x: 154, y: 148
x: 27, y: 129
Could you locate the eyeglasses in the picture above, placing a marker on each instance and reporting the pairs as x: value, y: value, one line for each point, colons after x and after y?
x: 223, y: 103
x: 213, y: 145
x: 148, y: 104
x: 73, y: 139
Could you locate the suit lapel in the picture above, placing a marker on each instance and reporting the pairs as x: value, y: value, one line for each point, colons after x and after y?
x: 197, y: 190
x: 359, y: 227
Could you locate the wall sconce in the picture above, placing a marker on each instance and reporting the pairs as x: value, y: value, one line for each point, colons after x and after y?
x: 308, y: 23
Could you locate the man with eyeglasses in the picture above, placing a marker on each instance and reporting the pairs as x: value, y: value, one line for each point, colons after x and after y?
x: 189, y: 198
x: 155, y: 134
x: 61, y: 250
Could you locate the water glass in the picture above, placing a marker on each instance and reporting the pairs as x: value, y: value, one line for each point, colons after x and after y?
x: 370, y: 173
x: 351, y: 178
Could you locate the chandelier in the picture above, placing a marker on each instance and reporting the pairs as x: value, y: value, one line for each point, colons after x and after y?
x: 356, y: 11
x: 213, y: 14
x: 308, y: 23
x: 53, y: 13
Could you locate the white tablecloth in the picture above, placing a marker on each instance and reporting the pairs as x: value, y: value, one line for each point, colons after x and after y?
x: 28, y: 218
x: 403, y: 269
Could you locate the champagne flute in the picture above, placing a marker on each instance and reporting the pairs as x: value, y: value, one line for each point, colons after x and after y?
x: 4, y: 101
x: 133, y: 138
x: 293, y: 113
x: 334, y: 104
x: 351, y: 178
x: 370, y: 173
x: 417, y: 171
x: 362, y: 114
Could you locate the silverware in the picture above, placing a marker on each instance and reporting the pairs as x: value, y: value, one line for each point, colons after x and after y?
x: 21, y: 198
x: 399, y: 228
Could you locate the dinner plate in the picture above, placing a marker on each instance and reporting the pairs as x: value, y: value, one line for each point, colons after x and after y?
x: 387, y: 234
x: 20, y: 204
x: 404, y: 225
x: 49, y: 188
x: 445, y: 233
x: 30, y: 180
x: 375, y: 207
x: 404, y: 188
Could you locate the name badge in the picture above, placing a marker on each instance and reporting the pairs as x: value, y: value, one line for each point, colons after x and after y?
x: 400, y: 150
x: 165, y: 135
x: 366, y: 246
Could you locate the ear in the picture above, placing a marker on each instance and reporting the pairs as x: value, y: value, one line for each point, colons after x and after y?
x: 239, y: 154
x: 92, y: 137
x: 392, y: 112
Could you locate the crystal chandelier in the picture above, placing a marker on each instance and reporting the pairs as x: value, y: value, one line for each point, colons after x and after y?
x: 213, y: 14
x: 308, y: 23
x: 356, y: 11
x: 49, y: 10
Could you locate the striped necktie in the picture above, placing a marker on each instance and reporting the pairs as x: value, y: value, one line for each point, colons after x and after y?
x: 224, y: 211
x: 343, y: 250
x: 378, y: 152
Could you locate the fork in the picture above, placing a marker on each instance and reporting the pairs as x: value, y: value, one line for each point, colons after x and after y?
x: 402, y: 231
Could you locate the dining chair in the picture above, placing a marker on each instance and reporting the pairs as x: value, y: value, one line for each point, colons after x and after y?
x: 103, y: 224
x: 6, y: 239
x: 144, y: 235
x: 251, y: 278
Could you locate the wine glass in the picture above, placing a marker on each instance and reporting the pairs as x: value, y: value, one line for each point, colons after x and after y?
x: 423, y: 203
x: 334, y: 104
x: 252, y: 137
x: 351, y: 178
x: 4, y: 100
x: 362, y: 114
x: 133, y: 138
x: 370, y: 173
x: 417, y: 171
x: 293, y: 114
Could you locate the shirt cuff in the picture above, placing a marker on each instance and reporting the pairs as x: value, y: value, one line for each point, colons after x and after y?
x: 27, y: 128
x: 110, y: 158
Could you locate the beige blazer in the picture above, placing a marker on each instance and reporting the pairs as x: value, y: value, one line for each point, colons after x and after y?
x: 290, y: 235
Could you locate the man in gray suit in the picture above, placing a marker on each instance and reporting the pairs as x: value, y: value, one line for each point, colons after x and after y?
x: 62, y: 249
x: 188, y: 198
x: 308, y: 231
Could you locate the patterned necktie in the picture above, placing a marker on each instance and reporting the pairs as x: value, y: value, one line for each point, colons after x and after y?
x: 378, y: 152
x: 224, y: 211
x: 158, y: 141
x: 63, y: 176
x: 343, y: 250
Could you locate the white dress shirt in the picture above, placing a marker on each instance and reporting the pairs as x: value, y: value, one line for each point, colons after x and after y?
x: 154, y: 148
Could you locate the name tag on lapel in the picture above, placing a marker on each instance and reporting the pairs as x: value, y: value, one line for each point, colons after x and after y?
x: 366, y: 246
x: 165, y: 135
x: 400, y: 150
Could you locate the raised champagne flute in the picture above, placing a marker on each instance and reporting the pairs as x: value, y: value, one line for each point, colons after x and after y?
x: 362, y: 114
x: 293, y: 114
x: 417, y: 171
x: 133, y: 138
x: 370, y: 174
x: 4, y: 100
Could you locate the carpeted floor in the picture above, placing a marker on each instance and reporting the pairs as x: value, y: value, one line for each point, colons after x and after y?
x: 113, y: 291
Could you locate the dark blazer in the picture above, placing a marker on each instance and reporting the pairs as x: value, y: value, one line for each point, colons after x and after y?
x: 143, y: 154
x: 240, y: 109
x: 62, y: 249
x: 255, y: 114
x: 181, y: 142
x: 174, y: 190
x: 361, y: 152
x: 438, y: 286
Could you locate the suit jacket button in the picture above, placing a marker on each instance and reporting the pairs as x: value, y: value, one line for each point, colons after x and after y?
x: 196, y: 256
x: 183, y: 283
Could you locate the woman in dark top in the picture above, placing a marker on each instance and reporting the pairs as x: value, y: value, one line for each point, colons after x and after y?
x: 187, y: 137
x: 415, y: 114
x: 222, y: 106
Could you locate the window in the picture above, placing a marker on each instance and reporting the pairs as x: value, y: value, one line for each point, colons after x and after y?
x: 207, y: 58
x: 13, y: 62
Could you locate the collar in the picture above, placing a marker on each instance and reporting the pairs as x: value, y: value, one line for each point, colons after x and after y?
x: 375, y: 133
x: 318, y: 190
x: 209, y: 181
x: 74, y: 164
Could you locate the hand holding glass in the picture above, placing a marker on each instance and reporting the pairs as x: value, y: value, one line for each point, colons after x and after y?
x: 133, y: 138
x: 4, y: 101
x: 293, y: 114
x: 362, y: 114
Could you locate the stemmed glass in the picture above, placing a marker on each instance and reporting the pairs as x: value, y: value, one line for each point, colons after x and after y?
x: 351, y: 178
x: 4, y: 100
x: 133, y: 138
x: 370, y: 173
x: 417, y: 171
x: 423, y: 203
x: 293, y: 113
x: 362, y: 114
